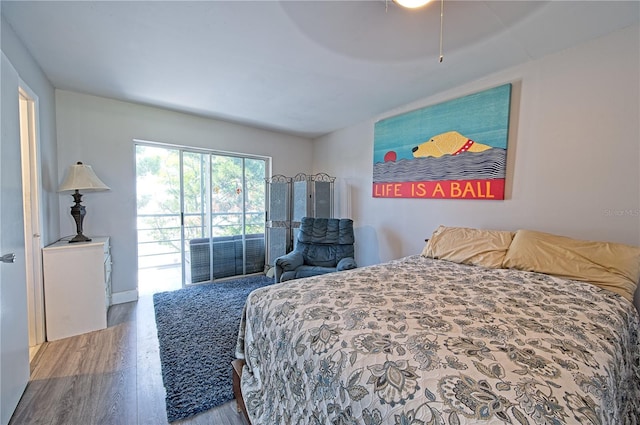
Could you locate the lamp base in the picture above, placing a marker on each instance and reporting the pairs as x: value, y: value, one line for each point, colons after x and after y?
x: 80, y: 238
x: 78, y: 212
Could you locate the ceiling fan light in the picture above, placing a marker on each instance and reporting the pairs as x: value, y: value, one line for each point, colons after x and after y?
x: 412, y: 4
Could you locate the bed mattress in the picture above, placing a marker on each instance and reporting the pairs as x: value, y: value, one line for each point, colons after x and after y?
x: 423, y: 341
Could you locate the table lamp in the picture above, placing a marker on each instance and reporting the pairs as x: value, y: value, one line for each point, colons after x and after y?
x: 80, y: 177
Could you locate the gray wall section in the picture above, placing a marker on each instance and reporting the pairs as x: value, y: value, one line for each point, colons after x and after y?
x: 572, y: 162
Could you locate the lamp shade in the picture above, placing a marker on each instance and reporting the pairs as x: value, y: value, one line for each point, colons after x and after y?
x: 81, y: 177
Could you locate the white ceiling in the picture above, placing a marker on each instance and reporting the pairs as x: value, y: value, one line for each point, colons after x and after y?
x: 300, y: 67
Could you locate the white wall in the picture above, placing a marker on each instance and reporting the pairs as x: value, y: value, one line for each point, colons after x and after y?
x: 31, y: 74
x: 573, y: 159
x: 100, y: 132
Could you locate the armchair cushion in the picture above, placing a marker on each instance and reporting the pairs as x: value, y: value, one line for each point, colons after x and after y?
x: 326, y: 231
x: 291, y: 261
x: 346, y: 264
x: 283, y: 277
x: 308, y: 271
x: 319, y: 255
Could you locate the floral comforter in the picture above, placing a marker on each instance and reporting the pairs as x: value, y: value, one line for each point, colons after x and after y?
x: 421, y: 341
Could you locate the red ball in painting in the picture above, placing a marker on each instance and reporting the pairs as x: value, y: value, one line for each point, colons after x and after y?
x: 390, y: 156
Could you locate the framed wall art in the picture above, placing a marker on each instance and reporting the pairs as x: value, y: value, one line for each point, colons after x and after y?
x: 453, y: 150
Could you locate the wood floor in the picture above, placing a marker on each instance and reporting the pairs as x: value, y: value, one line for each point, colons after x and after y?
x: 107, y: 377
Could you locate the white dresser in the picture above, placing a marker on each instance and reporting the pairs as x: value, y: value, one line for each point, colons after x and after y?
x: 77, y: 287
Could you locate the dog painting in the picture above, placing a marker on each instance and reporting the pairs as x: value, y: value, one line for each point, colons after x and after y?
x: 453, y: 150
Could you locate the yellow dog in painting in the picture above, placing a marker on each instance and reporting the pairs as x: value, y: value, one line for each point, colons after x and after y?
x: 449, y: 143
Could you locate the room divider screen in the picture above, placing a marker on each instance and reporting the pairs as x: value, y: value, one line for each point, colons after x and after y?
x: 290, y: 199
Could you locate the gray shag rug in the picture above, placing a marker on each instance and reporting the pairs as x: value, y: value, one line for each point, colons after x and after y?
x: 197, y: 332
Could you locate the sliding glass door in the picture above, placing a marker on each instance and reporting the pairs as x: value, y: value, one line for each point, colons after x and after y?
x: 203, y: 210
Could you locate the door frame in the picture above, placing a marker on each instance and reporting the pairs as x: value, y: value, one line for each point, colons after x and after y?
x: 31, y: 184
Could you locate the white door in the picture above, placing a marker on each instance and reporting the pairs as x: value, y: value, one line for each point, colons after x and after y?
x: 14, y: 341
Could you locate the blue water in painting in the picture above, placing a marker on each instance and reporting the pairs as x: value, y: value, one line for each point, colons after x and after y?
x: 490, y: 164
x: 482, y: 117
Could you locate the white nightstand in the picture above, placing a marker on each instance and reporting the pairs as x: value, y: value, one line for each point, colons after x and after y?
x: 77, y: 287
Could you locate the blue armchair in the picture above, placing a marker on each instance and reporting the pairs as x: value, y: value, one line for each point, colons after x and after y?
x: 323, y: 245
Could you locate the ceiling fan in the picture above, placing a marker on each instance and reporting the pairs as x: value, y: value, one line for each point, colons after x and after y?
x: 415, y: 4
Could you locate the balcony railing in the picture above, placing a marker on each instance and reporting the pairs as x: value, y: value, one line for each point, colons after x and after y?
x: 159, y: 235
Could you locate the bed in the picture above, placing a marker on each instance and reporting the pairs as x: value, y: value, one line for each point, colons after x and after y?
x: 456, y: 335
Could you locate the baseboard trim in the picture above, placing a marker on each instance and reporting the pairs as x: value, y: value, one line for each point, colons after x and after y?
x: 124, y: 297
